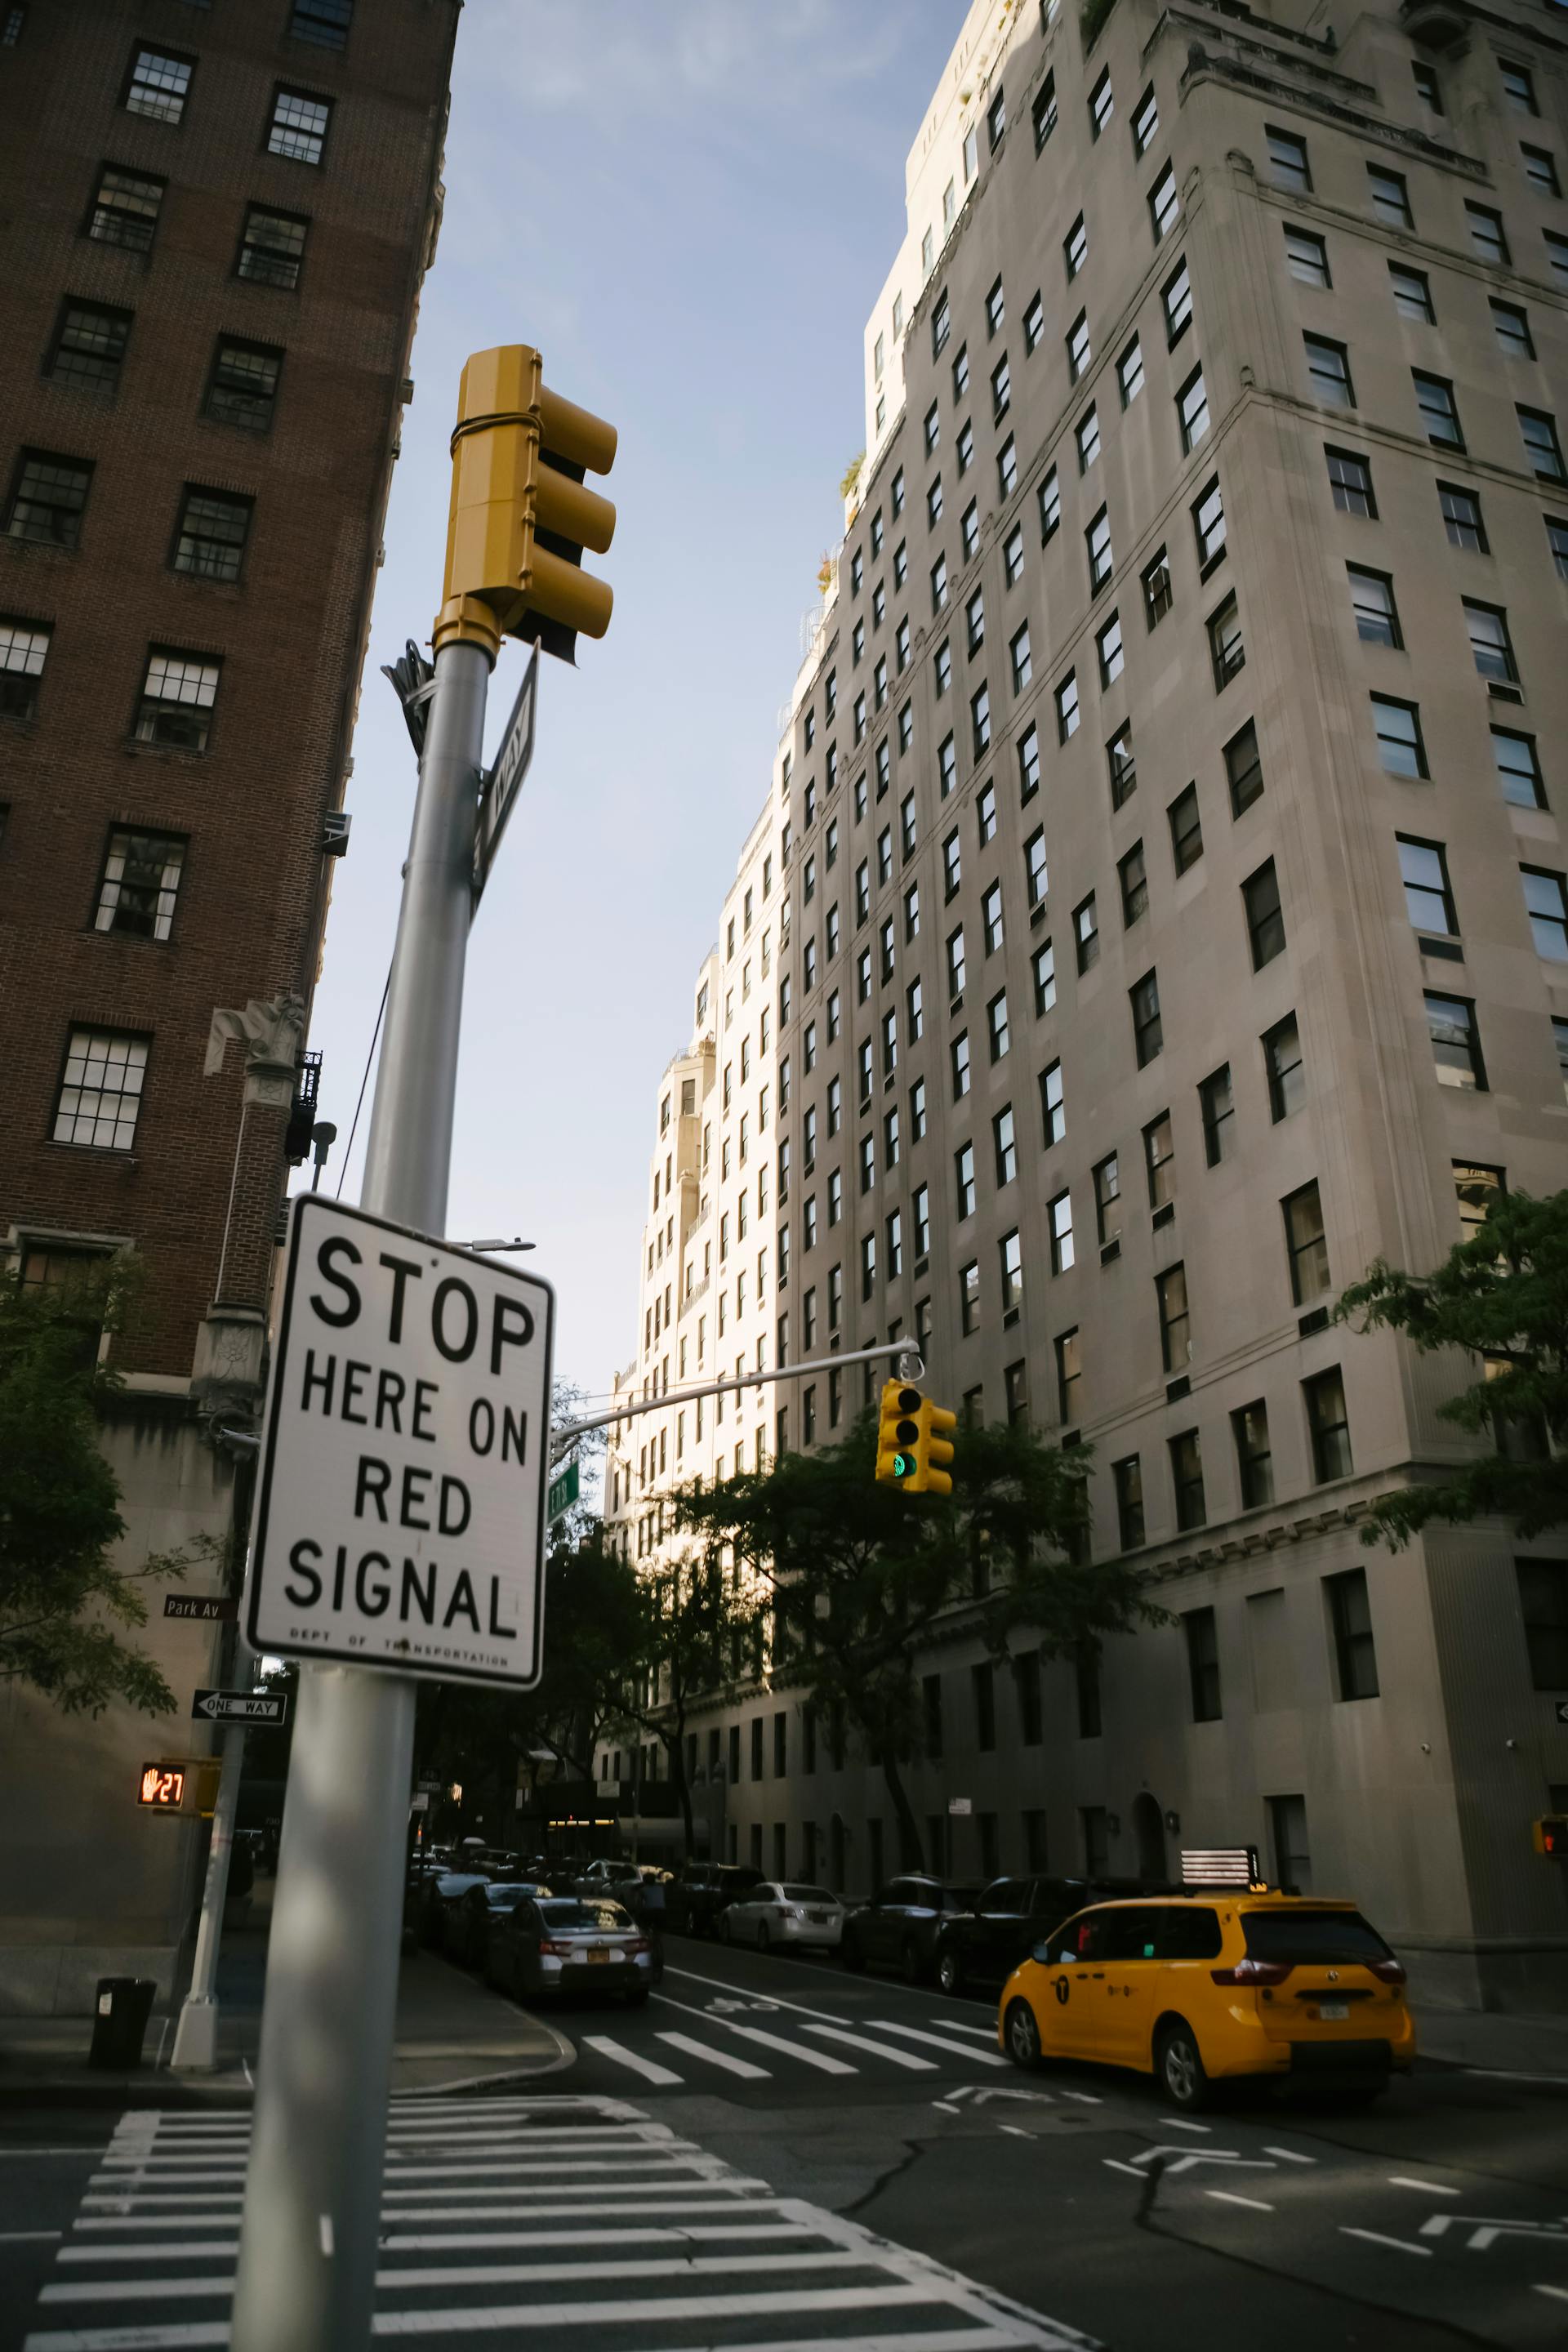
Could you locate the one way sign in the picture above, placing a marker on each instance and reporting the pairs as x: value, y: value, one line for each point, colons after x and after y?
x: 240, y: 1706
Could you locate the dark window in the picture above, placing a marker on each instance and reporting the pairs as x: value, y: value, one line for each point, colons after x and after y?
x: 1490, y: 641
x: 1044, y: 111
x: 1540, y: 170
x: 272, y: 248
x: 125, y: 209
x: 1329, y: 1426
x: 1287, y: 163
x: 1512, y: 327
x: 1069, y: 1377
x: 1254, y: 1457
x: 1518, y: 768
x: 23, y: 649
x: 1175, y: 1322
x: 931, y: 1697
x: 1439, y: 411
x: 1306, y: 1245
x: 1265, y: 916
x: 158, y: 85
x: 1455, y: 1042
x: 47, y: 499
x: 1461, y: 512
x: 1412, y: 293
x: 1400, y: 744
x: 1282, y: 1060
x: 1133, y: 877
x: 1350, y: 479
x: 1208, y: 524
x: 1160, y: 1161
x: 1218, y: 1099
x: 1350, y: 1614
x: 1107, y: 1199
x: 1186, y: 829
x: 1158, y: 595
x: 140, y: 882
x: 298, y: 129
x: 1542, y: 444
x: 1123, y: 767
x: 1428, y: 899
x: 89, y: 346
x: 1487, y: 233
x: 1307, y: 256
x: 1128, y: 1475
x: 1372, y: 604
x: 210, y: 542
x: 1227, y: 647
x: 243, y: 388
x: 1148, y: 1033
x: 1543, y: 1606
x: 1203, y: 1656
x: 1390, y: 196
x: 323, y: 22
x: 1244, y: 769
x: 1329, y: 372
x: 983, y: 1684
x: 176, y: 703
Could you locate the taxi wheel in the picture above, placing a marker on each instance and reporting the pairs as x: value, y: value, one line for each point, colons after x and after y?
x: 1022, y: 2034
x: 1180, y: 2068
x: 950, y: 1969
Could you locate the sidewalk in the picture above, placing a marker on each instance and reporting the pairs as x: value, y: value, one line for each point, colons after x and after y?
x: 1495, y: 2042
x: 452, y: 2033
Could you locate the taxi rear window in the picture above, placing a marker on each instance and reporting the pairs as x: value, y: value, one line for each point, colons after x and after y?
x: 1302, y: 1938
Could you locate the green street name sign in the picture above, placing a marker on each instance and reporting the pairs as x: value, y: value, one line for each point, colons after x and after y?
x: 563, y: 1493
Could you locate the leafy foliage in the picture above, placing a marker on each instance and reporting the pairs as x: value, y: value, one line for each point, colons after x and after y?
x: 1501, y: 1295
x: 64, y: 1602
x: 859, y: 1577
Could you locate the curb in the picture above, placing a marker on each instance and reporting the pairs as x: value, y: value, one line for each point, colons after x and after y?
x: 159, y: 2091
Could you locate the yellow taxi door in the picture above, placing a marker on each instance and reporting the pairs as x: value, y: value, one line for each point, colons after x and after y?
x: 1131, y: 1973
x: 1073, y: 1996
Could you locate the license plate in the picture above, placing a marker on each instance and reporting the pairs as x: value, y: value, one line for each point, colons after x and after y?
x: 818, y: 1918
x: 603, y: 1955
x: 1333, y: 2012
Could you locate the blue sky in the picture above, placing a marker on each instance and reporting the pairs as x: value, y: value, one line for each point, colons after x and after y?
x: 690, y: 206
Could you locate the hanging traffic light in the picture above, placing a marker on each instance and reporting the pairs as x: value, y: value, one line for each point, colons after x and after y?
x: 520, y: 516
x: 911, y: 1445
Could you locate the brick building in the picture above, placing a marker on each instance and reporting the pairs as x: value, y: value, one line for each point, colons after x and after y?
x: 215, y: 220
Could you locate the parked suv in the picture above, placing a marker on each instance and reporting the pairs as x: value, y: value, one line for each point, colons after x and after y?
x: 897, y: 1929
x: 985, y: 1945
x: 700, y: 1890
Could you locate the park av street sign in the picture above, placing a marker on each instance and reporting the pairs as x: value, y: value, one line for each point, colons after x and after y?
x: 240, y: 1706
x: 502, y: 783
x: 400, y: 1517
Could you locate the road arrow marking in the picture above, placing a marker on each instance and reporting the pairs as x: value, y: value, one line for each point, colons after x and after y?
x: 1376, y: 2237
x: 1427, y: 2188
x: 1186, y: 2158
x: 1485, y: 2233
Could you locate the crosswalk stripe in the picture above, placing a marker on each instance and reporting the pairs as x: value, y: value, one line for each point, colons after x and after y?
x: 741, y: 2066
x: 953, y: 2049
x: 622, y: 2056
x: 406, y: 2279
x: 962, y: 2025
x: 714, y: 2232
x: 817, y: 2058
x: 876, y: 2049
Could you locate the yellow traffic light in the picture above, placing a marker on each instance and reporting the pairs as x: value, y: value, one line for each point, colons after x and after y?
x: 897, y: 1434
x: 520, y: 516
x: 934, y: 1450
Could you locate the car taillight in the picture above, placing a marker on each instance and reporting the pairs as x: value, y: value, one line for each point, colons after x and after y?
x: 1388, y: 1971
x: 1250, y: 1971
x: 556, y: 1951
x: 786, y: 1911
x: 638, y: 1943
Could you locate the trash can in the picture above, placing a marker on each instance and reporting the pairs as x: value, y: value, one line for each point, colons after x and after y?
x: 121, y: 2013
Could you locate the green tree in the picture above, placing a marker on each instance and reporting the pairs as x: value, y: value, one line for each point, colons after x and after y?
x: 859, y: 1577
x: 694, y: 1631
x: 64, y: 1602
x: 1501, y: 1295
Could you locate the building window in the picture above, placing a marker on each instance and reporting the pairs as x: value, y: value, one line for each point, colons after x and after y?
x: 1133, y: 874
x: 1050, y: 507
x: 100, y: 1090
x: 1254, y: 1457
x: 177, y: 698
x: 1044, y: 112
x: 1067, y: 708
x: 1059, y: 1215
x: 963, y: 1180
x: 1010, y: 1251
x: 210, y: 541
x: 1130, y: 373
x: 1428, y: 900
x: 23, y: 649
x: 1164, y: 205
x: 1216, y: 1099
x: 1390, y: 197
x: 158, y: 86
x: 1487, y: 233
x: 1546, y: 903
x: 1107, y: 646
x: 1412, y: 294
x: 1148, y: 1032
x: 1086, y: 932
x: 1101, y: 105
x: 1096, y: 539
x: 1175, y: 1322
x: 1227, y: 648
x: 1461, y: 512
x: 1011, y: 558
x: 1053, y: 1108
x: 996, y: 1024
x: 1328, y: 1425
x: 47, y: 499
x: 1078, y: 347
x: 1399, y: 740
x: 1350, y: 482
x: 1518, y: 768
x: 1034, y: 325
x: 980, y: 733
x: 1069, y: 1376
x: 1512, y: 327
x: 1186, y: 829
x: 243, y: 388
x: 1329, y: 372
x: 1455, y: 1042
x: 1372, y: 603
x: 1490, y: 641
x: 1265, y: 917
x: 1540, y: 170
x: 1208, y: 525
x: 969, y: 1298
x: 1158, y: 595
x: 1518, y: 89
x: 1022, y: 664
x: 1556, y: 254
x: 1176, y: 295
x: 12, y: 25
x: 1001, y: 389
x: 1160, y: 1161
x: 298, y: 129
x: 1282, y: 1061
x: 1287, y: 163
x: 1145, y: 122
x: 89, y: 346
x: 323, y: 22
x: 1439, y: 412
x: 1192, y: 409
x: 125, y: 209
x: 1542, y: 444
x: 1306, y: 1245
x: 139, y: 883
x: 1128, y: 1478
x: 1123, y: 765
x: 1087, y: 436
x: 1044, y: 966
x: 1350, y: 1615
x: 1306, y: 256
x: 1543, y: 1608
x: 1198, y: 1624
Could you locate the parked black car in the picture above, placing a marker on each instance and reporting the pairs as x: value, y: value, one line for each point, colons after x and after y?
x: 700, y: 1891
x: 468, y: 1924
x: 897, y: 1929
x: 984, y: 1945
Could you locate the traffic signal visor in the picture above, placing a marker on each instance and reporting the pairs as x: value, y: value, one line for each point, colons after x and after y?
x: 899, y: 1435
x: 935, y: 1448
x: 521, y: 515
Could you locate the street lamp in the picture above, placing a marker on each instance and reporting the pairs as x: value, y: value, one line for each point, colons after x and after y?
x: 496, y: 1249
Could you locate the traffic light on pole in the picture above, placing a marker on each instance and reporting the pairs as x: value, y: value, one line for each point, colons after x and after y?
x: 521, y: 514
x: 912, y: 1447
x: 935, y: 1449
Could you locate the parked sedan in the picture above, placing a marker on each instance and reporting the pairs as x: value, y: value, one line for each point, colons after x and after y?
x: 442, y: 1890
x: 984, y: 1944
x: 897, y: 1928
x: 700, y: 1891
x: 802, y: 1917
x: 468, y: 1923
x: 567, y: 1943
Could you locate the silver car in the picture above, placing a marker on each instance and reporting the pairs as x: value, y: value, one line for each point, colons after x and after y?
x: 568, y: 1943
x: 783, y: 1914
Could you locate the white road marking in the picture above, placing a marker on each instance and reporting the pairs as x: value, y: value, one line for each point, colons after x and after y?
x: 817, y: 2058
x: 1427, y: 2188
x: 934, y: 2042
x: 1289, y: 2155
x: 1376, y: 2237
x: 947, y: 2106
x: 1016, y: 2130
x: 741, y: 2066
x: 716, y: 2232
x: 622, y: 2056
x: 961, y: 2025
x: 1229, y: 2196
x: 1084, y: 2098
x: 1503, y: 2074
x: 1116, y: 2165
x: 1179, y: 2123
x: 1560, y: 2293
x: 878, y: 2048
x: 15, y: 2237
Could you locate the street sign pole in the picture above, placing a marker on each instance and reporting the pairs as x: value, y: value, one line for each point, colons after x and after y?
x: 196, y: 2036
x: 307, y: 2263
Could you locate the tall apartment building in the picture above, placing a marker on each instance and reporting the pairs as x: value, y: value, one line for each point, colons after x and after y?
x: 215, y: 221
x: 1189, y: 715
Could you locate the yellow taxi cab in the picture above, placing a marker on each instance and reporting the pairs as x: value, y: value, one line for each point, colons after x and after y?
x: 1213, y: 1984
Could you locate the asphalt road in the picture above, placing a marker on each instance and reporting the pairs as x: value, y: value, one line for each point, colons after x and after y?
x: 773, y: 2152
